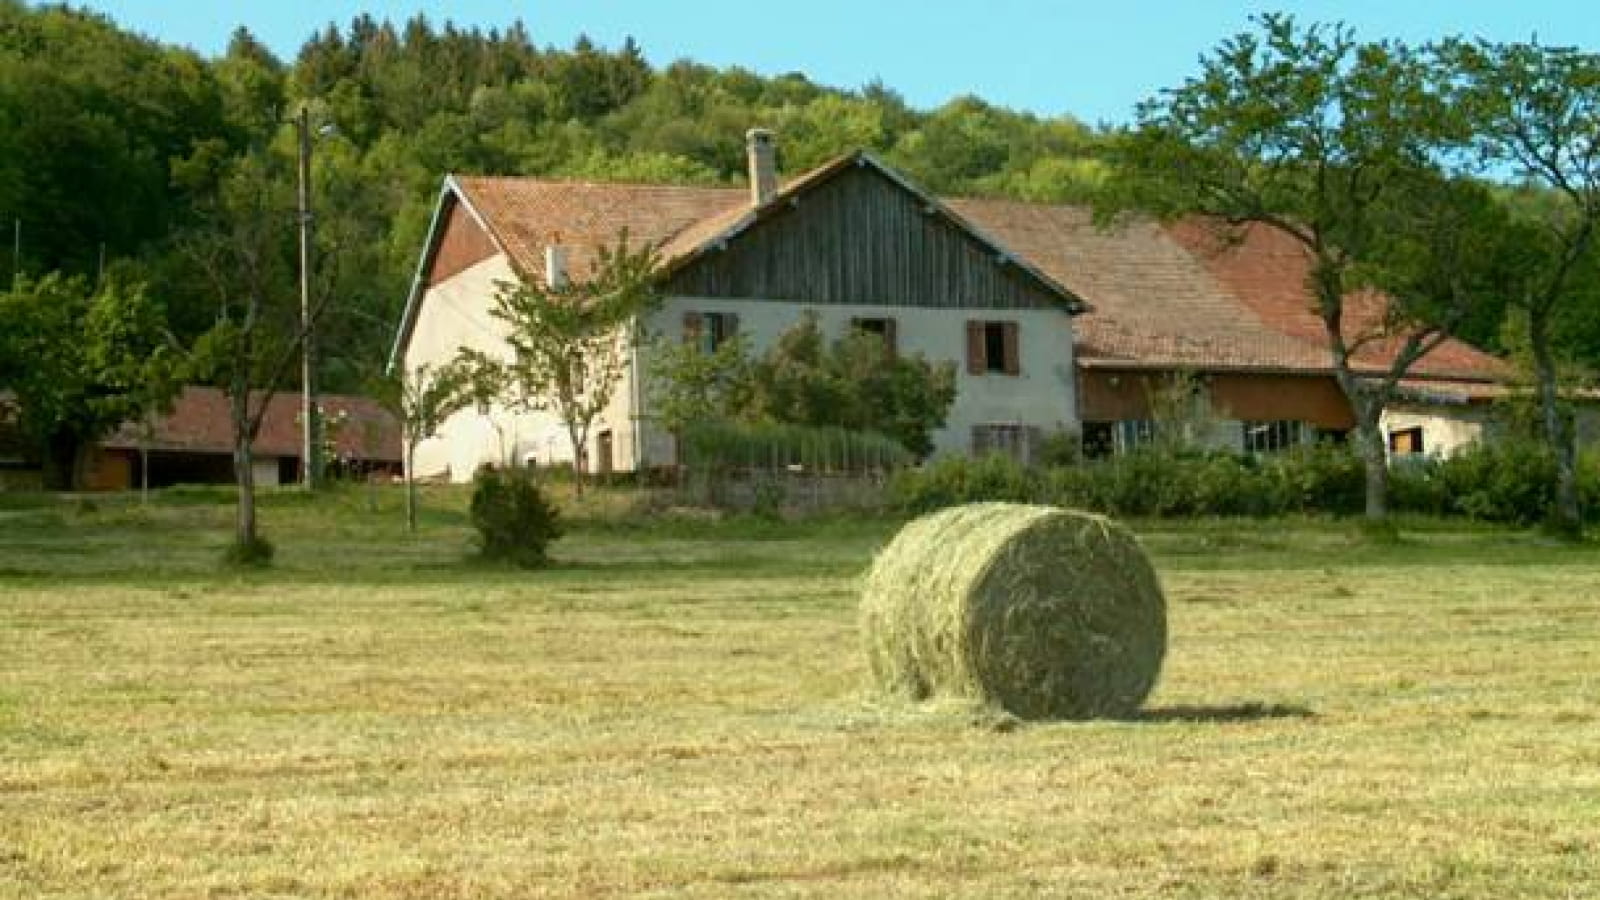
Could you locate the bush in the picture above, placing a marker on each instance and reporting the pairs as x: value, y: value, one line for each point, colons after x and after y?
x: 515, y: 521
x: 1508, y: 482
x: 1147, y: 483
x: 253, y: 554
x: 956, y: 480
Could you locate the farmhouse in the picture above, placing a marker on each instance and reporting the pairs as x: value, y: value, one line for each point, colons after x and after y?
x: 853, y: 241
x: 1055, y: 324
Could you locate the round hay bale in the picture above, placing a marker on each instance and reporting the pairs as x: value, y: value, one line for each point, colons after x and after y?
x: 1047, y: 613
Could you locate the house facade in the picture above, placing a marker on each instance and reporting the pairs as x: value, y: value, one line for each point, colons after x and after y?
x: 1055, y: 323
x: 852, y: 242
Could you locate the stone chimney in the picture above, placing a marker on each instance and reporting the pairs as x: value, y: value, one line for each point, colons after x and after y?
x: 555, y: 266
x: 763, y: 153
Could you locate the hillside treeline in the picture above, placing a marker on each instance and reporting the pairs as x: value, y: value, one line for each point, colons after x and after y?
x: 119, y: 154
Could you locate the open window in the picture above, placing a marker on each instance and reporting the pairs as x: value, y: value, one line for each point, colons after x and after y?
x: 1406, y: 441
x: 993, y: 348
x: 884, y: 328
x: 709, y: 330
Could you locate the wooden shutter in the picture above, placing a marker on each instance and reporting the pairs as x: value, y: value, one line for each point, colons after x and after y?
x: 1013, y: 361
x: 891, y: 337
x: 693, y: 323
x: 975, y: 354
x: 981, y: 435
x: 730, y: 326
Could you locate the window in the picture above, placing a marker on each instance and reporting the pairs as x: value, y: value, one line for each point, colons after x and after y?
x: 884, y: 328
x: 1099, y: 439
x: 1011, y: 439
x: 1135, y: 433
x: 1406, y: 441
x: 709, y: 330
x: 992, y: 348
x: 1266, y: 437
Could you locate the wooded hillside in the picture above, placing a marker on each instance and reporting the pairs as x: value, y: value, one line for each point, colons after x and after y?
x: 115, y: 150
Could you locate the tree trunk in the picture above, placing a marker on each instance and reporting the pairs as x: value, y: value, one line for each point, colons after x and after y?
x: 244, y: 522
x: 60, y: 469
x: 579, y: 439
x: 1566, y: 518
x: 244, y: 473
x: 1375, y: 460
x: 411, y: 489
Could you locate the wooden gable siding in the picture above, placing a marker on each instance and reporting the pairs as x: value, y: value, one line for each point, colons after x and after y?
x: 462, y: 245
x: 860, y: 239
x: 1113, y: 396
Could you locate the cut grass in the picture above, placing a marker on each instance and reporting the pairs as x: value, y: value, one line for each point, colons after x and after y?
x: 678, y: 709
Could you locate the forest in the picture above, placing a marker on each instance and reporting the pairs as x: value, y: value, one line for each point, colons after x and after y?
x: 118, y: 154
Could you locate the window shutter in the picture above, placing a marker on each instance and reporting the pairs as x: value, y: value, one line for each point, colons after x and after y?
x: 692, y: 325
x: 891, y: 341
x: 980, y: 437
x: 730, y: 326
x: 1032, y: 437
x: 1013, y: 361
x: 975, y: 361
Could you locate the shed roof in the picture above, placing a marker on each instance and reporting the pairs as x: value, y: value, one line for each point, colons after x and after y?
x: 200, y: 422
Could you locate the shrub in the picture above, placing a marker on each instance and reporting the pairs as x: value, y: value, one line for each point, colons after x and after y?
x: 252, y: 554
x: 515, y: 521
x: 955, y: 480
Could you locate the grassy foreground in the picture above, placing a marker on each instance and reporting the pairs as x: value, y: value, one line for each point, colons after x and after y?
x: 678, y: 709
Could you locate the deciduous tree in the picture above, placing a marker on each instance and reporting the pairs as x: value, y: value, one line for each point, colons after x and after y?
x: 1338, y: 145
x: 571, y: 341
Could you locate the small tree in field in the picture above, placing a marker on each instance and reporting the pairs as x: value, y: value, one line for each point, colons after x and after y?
x: 422, y: 399
x: 570, y: 342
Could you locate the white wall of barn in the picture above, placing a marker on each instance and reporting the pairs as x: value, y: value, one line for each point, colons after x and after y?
x: 1043, y: 395
x: 455, y: 313
x: 1445, y: 430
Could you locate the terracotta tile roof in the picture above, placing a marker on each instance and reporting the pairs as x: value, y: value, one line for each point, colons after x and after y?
x: 199, y: 422
x: 1152, y: 302
x: 1159, y: 296
x: 1267, y: 270
x: 527, y: 214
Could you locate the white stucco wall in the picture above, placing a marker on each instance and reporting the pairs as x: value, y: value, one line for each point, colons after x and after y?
x: 1044, y: 395
x: 455, y: 314
x: 1445, y: 429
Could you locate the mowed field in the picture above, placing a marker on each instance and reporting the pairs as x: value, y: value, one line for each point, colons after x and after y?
x: 680, y: 708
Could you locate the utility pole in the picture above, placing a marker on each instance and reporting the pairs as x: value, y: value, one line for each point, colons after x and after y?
x: 311, y: 448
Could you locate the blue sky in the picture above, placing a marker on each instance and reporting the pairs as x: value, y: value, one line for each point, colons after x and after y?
x: 1094, y: 60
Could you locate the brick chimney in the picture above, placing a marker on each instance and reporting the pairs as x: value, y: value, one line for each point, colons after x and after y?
x: 555, y: 266
x: 763, y: 152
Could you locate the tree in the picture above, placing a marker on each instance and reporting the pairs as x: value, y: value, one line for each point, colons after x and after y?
x: 1536, y: 109
x: 244, y: 249
x: 422, y: 399
x: 689, y: 385
x: 1333, y: 143
x: 80, y: 362
x: 858, y: 382
x: 570, y: 341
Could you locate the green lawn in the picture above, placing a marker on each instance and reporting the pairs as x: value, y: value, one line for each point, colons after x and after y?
x: 678, y: 709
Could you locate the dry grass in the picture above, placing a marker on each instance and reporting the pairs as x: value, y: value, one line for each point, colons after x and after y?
x: 679, y: 711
